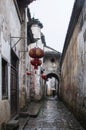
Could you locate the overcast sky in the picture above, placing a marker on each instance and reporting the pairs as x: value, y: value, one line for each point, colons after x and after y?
x: 55, y: 17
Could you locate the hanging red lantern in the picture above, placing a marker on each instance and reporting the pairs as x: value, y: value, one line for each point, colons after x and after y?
x: 28, y: 73
x: 39, y: 53
x: 32, y: 52
x: 36, y: 52
x: 36, y: 62
x: 44, y: 76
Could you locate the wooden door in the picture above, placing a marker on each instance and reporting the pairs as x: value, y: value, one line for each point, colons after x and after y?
x: 14, y: 84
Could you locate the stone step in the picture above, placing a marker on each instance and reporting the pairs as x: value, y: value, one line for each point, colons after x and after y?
x: 12, y: 125
x: 23, y: 114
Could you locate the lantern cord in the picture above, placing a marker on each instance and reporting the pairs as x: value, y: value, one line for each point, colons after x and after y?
x: 36, y: 40
x: 36, y: 44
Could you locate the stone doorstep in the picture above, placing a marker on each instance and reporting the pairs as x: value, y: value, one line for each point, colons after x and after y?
x: 23, y: 114
x: 12, y: 124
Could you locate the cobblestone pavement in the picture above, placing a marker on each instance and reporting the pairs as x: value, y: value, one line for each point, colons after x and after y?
x: 53, y: 116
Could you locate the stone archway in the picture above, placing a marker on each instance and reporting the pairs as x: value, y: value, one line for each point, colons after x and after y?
x: 53, y: 75
x: 55, y: 80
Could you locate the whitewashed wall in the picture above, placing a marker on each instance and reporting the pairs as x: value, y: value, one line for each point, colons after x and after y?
x: 9, y: 26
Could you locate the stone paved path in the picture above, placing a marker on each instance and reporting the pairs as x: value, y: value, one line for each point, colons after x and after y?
x: 53, y: 116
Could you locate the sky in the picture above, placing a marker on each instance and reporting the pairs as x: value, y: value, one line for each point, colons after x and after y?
x: 55, y: 16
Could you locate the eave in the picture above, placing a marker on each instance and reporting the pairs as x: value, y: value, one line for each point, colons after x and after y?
x: 25, y: 3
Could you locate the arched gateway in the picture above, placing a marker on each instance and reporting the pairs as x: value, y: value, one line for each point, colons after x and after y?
x: 51, y: 67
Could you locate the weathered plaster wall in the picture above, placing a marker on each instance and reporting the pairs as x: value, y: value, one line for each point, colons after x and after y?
x: 73, y: 71
x: 22, y: 69
x: 9, y: 26
x: 35, y: 79
x: 4, y: 111
x: 51, y: 67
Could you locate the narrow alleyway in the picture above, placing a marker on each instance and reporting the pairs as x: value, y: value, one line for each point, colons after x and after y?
x: 53, y: 116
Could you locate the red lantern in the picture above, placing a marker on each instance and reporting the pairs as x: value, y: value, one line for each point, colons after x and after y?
x: 39, y: 53
x: 44, y: 76
x: 28, y: 73
x: 32, y: 52
x: 36, y: 53
x: 36, y: 62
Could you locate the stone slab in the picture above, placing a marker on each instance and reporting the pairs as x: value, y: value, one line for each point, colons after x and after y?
x: 34, y: 109
x: 13, y: 123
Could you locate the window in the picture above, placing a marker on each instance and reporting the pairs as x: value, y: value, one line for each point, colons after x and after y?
x: 52, y: 60
x: 4, y: 79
